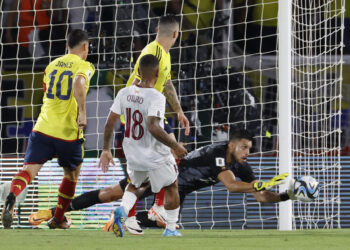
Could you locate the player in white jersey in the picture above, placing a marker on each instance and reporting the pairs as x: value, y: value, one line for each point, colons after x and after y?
x: 146, y: 145
x: 142, y: 150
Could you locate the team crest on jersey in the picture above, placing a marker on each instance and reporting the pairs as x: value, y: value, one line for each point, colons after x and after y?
x: 220, y: 162
x: 89, y: 74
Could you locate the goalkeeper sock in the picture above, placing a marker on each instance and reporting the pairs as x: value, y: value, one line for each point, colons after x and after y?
x: 85, y: 200
x: 19, y: 182
x: 172, y: 217
x: 65, y: 196
x: 132, y: 212
x: 160, y: 198
x: 128, y: 201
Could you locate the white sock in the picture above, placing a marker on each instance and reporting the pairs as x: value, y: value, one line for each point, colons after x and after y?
x: 172, y: 217
x: 128, y: 201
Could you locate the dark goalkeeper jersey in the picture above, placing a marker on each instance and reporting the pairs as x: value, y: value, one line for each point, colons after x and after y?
x: 200, y: 168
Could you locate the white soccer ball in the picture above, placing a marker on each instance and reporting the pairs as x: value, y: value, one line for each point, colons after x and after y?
x: 306, y: 189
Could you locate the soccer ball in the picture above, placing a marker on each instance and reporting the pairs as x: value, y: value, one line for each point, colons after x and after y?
x: 306, y: 189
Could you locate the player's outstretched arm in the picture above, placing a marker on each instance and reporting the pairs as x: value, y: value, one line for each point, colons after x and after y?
x: 171, y: 96
x: 161, y: 135
x: 106, y: 157
x: 80, y: 97
x: 229, y: 180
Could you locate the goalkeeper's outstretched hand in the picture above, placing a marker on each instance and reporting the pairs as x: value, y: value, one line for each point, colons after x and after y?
x: 277, y: 180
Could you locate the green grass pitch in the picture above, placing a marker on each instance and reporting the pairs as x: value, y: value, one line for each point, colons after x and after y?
x: 193, y: 239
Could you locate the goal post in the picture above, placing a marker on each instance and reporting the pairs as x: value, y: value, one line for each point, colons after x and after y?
x: 285, y: 106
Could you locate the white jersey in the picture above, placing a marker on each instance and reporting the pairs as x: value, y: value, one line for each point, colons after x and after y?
x: 143, y: 152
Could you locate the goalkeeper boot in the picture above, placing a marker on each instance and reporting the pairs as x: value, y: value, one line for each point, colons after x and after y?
x: 8, y: 210
x: 120, y: 217
x: 109, y: 225
x: 53, y: 223
x: 132, y: 226
x: 158, y: 214
x: 168, y: 233
x: 40, y: 216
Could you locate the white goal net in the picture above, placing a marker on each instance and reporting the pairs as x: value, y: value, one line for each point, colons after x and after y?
x: 225, y: 71
x: 316, y: 106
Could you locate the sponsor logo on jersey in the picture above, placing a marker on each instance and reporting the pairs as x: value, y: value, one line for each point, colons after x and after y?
x: 220, y: 162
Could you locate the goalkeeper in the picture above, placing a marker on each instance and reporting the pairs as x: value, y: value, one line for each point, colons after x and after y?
x: 203, y: 167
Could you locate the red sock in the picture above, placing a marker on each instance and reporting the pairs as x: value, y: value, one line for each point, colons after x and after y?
x: 160, y: 198
x: 132, y: 211
x: 65, y: 196
x: 19, y: 182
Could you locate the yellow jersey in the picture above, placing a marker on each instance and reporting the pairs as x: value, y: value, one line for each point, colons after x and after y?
x: 59, y: 112
x: 154, y: 48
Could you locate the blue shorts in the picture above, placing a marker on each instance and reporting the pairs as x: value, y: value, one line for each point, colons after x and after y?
x: 42, y: 148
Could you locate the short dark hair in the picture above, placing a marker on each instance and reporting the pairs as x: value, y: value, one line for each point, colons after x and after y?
x: 147, y: 63
x: 167, y: 25
x: 75, y: 37
x: 240, y: 134
x: 168, y: 19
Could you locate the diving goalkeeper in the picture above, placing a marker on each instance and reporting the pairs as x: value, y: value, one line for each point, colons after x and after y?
x: 206, y: 166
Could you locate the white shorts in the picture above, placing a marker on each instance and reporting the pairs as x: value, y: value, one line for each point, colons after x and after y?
x: 160, y: 177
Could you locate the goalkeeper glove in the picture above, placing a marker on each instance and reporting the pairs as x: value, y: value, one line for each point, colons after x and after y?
x: 277, y: 180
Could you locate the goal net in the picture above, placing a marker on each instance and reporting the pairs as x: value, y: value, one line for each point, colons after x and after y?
x: 225, y: 70
x: 316, y: 106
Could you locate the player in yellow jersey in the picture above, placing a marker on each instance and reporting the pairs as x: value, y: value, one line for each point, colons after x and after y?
x: 59, y: 128
x: 167, y: 33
